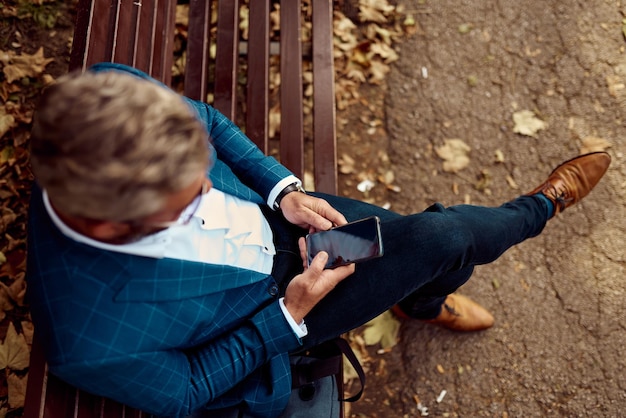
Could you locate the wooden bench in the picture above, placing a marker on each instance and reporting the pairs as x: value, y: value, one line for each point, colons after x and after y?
x: 140, y: 33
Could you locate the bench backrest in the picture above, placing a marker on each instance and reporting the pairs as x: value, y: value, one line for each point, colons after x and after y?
x: 140, y: 33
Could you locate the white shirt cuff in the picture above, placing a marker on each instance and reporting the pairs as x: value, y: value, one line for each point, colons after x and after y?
x: 299, y: 329
x: 279, y: 188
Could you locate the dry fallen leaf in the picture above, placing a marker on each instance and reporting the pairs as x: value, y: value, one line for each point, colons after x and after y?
x: 17, y: 390
x: 387, y: 178
x: 14, y: 353
x: 28, y: 329
x: 17, y: 66
x: 7, y: 121
x: 378, y: 71
x: 274, y: 121
x: 346, y: 164
x: 17, y: 290
x: 383, y: 329
x: 594, y: 144
x: 511, y: 182
x: 484, y: 181
x: 615, y: 85
x: 526, y: 123
x: 374, y: 10
x: 454, y: 152
x: 384, y: 51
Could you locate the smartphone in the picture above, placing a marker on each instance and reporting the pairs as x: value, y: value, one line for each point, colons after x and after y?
x: 350, y: 243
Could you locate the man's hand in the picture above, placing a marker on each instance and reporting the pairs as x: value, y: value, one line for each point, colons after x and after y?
x: 308, y: 288
x: 310, y: 212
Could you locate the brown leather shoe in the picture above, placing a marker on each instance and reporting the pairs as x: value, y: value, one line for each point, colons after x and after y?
x: 460, y: 313
x: 574, y: 179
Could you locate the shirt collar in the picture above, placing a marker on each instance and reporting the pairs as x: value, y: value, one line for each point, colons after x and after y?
x: 149, y: 246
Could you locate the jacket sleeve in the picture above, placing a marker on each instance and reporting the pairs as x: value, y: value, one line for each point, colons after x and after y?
x: 247, y: 162
x: 176, y: 382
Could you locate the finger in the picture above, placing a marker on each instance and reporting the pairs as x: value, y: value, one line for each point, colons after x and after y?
x: 319, y: 263
x: 316, y: 220
x: 334, y: 216
x: 338, y: 274
x: 303, y: 252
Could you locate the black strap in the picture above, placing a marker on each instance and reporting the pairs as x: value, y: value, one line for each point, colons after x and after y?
x: 328, y: 362
x: 347, y: 351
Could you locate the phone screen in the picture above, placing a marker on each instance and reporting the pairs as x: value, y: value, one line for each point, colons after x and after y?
x: 350, y: 243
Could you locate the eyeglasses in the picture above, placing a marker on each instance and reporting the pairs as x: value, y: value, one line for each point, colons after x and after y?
x: 187, y: 214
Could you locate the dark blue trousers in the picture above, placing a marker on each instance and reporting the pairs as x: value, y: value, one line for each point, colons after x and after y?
x: 427, y: 256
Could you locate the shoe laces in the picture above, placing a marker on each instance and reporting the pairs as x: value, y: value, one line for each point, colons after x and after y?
x: 557, y: 195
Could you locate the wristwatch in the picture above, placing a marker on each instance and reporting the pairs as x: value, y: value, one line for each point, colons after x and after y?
x: 293, y: 187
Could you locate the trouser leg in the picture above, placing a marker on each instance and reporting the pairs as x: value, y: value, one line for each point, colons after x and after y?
x: 427, y: 255
x: 426, y: 302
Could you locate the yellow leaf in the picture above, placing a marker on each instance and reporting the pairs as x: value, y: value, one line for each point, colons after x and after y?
x: 29, y: 330
x: 593, y: 144
x: 384, y: 51
x: 5, y: 303
x: 374, y: 10
x: 6, y: 121
x: 383, y: 329
x: 19, y: 66
x: 454, y: 152
x: 17, y: 390
x: 526, y: 123
x: 274, y: 121
x: 182, y: 15
x: 346, y: 164
x: 378, y: 70
x: 17, y: 290
x: 14, y: 353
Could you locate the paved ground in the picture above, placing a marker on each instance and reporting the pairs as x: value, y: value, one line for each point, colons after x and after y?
x: 559, y: 344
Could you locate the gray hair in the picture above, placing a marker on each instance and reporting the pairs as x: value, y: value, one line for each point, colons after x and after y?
x: 111, y: 146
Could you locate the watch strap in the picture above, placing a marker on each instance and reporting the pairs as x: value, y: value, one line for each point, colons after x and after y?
x: 293, y: 187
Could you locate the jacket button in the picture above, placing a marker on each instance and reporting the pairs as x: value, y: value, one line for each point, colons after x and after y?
x: 273, y: 290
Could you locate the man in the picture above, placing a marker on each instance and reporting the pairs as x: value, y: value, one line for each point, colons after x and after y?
x: 166, y: 270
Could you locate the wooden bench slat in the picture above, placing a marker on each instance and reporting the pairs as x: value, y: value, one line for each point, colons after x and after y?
x: 291, y: 91
x: 226, y: 57
x: 325, y: 145
x: 198, y: 44
x: 144, y: 35
x: 36, y: 388
x: 257, y: 101
x: 112, y: 409
x: 165, y: 21
x: 124, y: 33
x: 103, y: 21
x: 81, y: 28
x: 88, y: 405
x: 60, y: 398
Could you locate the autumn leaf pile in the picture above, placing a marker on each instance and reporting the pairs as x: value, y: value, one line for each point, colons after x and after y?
x: 27, y: 28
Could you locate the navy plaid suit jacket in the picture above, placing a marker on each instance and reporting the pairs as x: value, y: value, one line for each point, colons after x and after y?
x: 163, y: 335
